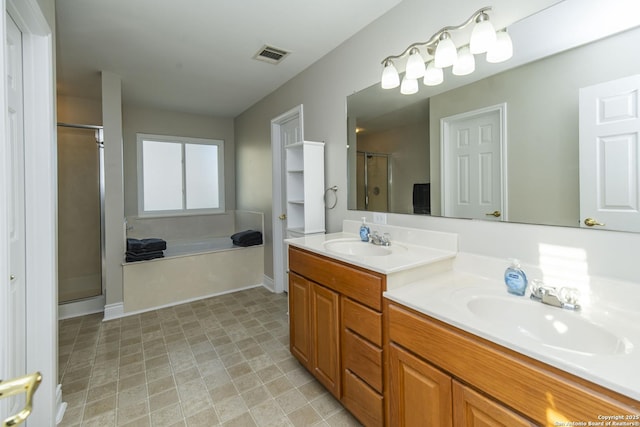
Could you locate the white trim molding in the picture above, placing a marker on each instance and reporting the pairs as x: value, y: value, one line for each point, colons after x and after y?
x: 113, y: 311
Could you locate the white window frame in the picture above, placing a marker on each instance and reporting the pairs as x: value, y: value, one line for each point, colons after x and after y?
x: 141, y: 137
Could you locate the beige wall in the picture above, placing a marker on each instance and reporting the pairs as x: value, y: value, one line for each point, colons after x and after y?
x: 161, y: 122
x: 542, y: 125
x: 409, y: 150
x: 355, y: 65
x: 48, y: 10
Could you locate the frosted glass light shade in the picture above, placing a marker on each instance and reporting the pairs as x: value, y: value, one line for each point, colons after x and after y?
x: 433, y: 76
x: 466, y: 63
x: 483, y: 36
x: 415, y: 65
x: 390, y: 78
x: 446, y: 54
x: 502, y: 48
x: 408, y: 86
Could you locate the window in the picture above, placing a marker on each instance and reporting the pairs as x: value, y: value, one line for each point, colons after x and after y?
x: 178, y: 175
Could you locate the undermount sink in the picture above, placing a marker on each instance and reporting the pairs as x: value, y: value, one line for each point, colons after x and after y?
x: 552, y: 327
x: 356, y: 247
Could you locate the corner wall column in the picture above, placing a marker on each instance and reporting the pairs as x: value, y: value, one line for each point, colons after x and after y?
x: 114, y: 192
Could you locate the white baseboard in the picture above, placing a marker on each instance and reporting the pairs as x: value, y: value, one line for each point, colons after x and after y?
x: 60, y: 405
x: 81, y: 308
x: 113, y: 311
x: 268, y: 283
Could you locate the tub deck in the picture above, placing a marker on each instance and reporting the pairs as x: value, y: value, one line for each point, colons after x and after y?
x: 191, y: 271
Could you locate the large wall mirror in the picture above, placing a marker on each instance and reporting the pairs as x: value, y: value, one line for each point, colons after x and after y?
x: 404, y: 152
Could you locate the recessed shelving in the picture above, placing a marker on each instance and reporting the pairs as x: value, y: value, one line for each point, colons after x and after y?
x: 305, y: 187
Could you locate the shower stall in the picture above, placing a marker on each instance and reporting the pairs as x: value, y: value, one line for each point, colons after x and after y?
x: 80, y: 219
x: 373, y: 181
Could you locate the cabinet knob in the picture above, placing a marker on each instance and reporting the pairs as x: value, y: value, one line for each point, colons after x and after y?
x: 283, y: 217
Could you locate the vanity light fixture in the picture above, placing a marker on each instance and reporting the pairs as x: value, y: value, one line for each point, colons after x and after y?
x: 502, y: 49
x: 409, y: 86
x: 442, y: 52
x: 390, y: 77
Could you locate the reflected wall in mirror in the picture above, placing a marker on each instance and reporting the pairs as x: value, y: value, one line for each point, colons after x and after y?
x: 541, y: 170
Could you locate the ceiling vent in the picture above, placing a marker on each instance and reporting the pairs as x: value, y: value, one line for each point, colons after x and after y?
x: 270, y: 54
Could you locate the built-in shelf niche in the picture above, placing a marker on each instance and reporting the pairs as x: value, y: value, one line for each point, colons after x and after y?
x: 305, y: 187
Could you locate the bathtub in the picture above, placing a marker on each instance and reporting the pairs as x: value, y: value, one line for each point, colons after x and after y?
x: 189, y: 271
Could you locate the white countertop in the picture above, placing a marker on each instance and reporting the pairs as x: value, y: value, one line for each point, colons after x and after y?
x: 608, y: 355
x: 403, y: 256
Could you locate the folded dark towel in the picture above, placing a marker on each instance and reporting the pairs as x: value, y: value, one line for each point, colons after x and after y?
x: 247, y: 238
x: 154, y: 244
x: 248, y: 242
x: 134, y: 244
x: 146, y: 245
x: 136, y: 256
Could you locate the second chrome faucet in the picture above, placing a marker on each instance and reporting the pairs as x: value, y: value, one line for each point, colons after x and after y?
x: 566, y: 298
x: 380, y: 240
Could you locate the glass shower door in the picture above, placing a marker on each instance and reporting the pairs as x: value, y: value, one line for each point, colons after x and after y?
x: 372, y: 181
x: 79, y: 215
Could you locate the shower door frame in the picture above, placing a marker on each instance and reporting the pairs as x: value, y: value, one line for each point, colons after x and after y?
x: 365, y: 171
x: 94, y: 304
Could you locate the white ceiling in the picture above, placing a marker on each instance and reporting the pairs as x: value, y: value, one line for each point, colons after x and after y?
x: 196, y: 55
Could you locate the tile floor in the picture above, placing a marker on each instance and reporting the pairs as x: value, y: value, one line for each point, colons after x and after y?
x: 219, y: 361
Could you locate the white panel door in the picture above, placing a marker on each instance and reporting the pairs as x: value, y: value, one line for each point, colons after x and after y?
x: 286, y: 129
x: 609, y: 155
x: 472, y: 165
x: 12, y: 338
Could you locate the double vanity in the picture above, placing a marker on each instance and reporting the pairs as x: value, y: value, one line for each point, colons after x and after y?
x: 416, y: 333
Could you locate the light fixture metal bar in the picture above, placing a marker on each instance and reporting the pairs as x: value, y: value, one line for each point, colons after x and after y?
x: 434, y: 38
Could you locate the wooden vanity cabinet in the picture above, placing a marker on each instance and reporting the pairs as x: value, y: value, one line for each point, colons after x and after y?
x: 419, y: 393
x: 440, y: 376
x: 472, y: 409
x: 335, y: 321
x: 314, y: 330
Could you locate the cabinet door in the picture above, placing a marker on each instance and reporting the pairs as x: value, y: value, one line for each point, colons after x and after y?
x: 300, y: 318
x: 471, y: 409
x: 325, y: 316
x: 420, y: 393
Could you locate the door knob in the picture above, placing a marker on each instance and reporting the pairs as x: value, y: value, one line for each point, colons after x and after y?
x: 12, y: 277
x: 494, y: 213
x: 283, y: 217
x: 25, y: 384
x: 590, y: 222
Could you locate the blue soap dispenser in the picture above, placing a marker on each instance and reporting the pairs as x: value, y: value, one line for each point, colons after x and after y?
x: 364, y: 230
x: 515, y: 279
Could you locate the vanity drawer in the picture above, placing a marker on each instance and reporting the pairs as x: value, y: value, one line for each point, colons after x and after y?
x: 362, y: 320
x: 363, y: 359
x: 362, y: 400
x: 361, y: 285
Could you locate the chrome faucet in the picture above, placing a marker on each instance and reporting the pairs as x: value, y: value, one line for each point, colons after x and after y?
x: 380, y: 240
x: 566, y: 298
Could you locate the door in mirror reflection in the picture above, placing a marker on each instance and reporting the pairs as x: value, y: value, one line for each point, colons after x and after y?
x: 472, y: 164
x: 609, y: 155
x: 373, y: 178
